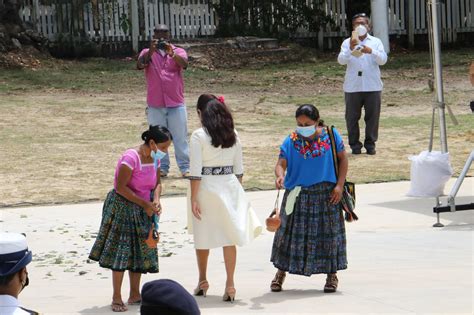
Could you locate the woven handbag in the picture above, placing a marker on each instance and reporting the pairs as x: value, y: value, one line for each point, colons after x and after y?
x: 273, y: 221
x: 348, y: 194
x: 153, y: 236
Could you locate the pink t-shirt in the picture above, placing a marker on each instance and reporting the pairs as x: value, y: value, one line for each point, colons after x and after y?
x: 164, y: 79
x: 143, y: 179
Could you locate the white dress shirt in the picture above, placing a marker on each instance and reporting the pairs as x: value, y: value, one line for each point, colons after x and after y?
x: 363, y: 73
x: 9, y: 306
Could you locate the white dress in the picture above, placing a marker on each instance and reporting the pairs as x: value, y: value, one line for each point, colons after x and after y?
x: 226, y: 215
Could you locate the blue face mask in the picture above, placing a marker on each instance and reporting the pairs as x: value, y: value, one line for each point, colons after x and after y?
x: 307, y: 131
x: 157, y: 156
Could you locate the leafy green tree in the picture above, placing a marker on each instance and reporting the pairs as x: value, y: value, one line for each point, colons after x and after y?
x: 271, y: 18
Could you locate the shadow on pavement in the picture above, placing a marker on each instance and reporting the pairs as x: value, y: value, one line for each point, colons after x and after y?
x: 425, y: 206
x: 215, y: 301
x: 135, y: 309
x: 280, y: 297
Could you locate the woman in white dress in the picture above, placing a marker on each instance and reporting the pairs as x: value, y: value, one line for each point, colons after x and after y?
x: 221, y: 214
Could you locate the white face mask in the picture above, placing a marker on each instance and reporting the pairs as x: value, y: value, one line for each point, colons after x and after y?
x: 306, y: 131
x: 361, y: 30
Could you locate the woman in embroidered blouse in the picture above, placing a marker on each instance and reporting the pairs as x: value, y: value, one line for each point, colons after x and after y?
x: 219, y: 213
x: 311, y: 238
x: 126, y: 215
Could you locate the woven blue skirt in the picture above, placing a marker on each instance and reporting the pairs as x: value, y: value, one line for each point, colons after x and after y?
x: 312, y: 239
x: 120, y: 244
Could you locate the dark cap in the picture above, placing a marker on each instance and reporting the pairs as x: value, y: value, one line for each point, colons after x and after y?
x: 358, y: 15
x: 167, y: 297
x: 14, y: 253
x: 161, y: 28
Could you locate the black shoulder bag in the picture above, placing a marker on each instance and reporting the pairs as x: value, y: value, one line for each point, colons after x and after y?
x: 348, y: 193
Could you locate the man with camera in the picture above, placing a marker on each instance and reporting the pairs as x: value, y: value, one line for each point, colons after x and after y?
x: 164, y: 64
x: 363, y: 54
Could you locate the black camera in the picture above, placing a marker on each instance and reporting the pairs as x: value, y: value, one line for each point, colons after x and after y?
x: 161, y: 44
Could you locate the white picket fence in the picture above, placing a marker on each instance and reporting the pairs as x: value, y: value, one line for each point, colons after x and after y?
x: 406, y: 17
x: 185, y: 21
x: 124, y: 20
x: 409, y: 17
x: 113, y: 20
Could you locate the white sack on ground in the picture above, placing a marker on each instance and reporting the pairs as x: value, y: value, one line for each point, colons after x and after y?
x: 429, y: 173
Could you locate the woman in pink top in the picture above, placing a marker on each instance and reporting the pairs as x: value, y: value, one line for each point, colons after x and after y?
x: 127, y: 215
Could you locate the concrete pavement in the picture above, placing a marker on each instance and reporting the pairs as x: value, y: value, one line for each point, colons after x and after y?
x: 398, y: 263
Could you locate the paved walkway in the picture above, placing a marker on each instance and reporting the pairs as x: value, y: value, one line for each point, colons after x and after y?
x: 398, y: 263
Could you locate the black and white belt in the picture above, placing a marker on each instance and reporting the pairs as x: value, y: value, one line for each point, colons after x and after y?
x: 217, y: 170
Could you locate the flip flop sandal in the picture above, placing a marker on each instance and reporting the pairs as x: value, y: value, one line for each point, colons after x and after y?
x: 118, y: 307
x: 135, y: 302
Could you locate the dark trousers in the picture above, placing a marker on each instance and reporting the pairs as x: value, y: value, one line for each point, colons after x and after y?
x: 371, y: 102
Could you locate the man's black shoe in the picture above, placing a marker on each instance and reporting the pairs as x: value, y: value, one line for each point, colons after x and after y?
x: 356, y: 151
x: 371, y: 152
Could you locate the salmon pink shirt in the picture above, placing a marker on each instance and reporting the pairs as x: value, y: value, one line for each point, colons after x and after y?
x: 164, y: 79
x: 143, y: 179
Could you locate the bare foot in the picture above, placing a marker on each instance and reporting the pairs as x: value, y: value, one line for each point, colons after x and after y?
x: 134, y: 300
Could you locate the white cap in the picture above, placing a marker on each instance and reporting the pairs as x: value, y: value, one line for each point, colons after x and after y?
x: 14, y: 254
x: 12, y: 243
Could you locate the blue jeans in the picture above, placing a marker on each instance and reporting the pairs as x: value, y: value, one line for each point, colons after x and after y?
x: 176, y: 120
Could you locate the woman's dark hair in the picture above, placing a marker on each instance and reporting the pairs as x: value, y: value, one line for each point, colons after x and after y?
x: 309, y: 111
x: 217, y: 120
x: 157, y: 133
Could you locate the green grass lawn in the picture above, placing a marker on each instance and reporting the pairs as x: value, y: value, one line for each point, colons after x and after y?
x: 112, y: 75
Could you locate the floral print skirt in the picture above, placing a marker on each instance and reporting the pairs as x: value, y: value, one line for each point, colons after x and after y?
x: 120, y: 243
x: 312, y: 239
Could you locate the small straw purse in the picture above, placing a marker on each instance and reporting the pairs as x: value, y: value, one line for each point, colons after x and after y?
x: 273, y: 221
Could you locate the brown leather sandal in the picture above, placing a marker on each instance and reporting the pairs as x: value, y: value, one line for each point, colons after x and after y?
x: 277, y: 282
x: 331, y: 283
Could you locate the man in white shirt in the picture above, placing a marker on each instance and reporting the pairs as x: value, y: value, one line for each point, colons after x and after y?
x: 363, y: 54
x: 14, y: 256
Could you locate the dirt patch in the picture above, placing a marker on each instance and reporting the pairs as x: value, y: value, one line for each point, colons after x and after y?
x: 28, y: 57
x: 242, y: 52
x: 61, y: 144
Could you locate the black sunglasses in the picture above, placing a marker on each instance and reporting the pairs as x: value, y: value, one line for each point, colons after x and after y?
x: 358, y: 15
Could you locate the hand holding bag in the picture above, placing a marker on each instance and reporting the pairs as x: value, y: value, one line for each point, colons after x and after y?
x: 348, y: 192
x: 273, y: 221
x: 153, y: 235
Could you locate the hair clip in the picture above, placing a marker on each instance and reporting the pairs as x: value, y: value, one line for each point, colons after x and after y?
x: 221, y: 99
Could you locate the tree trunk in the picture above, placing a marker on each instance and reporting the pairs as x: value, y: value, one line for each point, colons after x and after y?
x: 9, y: 12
